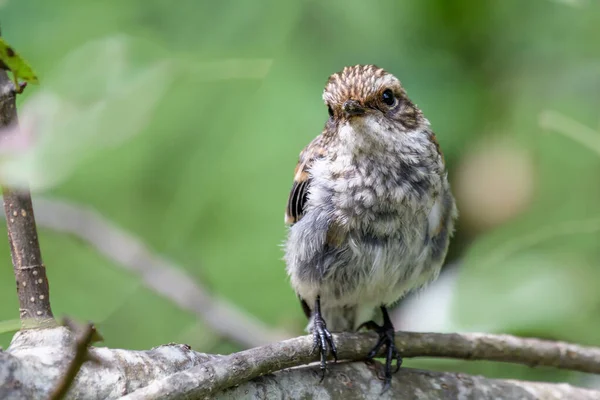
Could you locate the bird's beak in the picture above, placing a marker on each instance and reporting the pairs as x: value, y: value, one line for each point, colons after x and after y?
x: 353, y: 107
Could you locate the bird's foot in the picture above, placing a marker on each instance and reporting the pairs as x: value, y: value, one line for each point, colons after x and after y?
x: 323, y: 341
x: 386, y: 338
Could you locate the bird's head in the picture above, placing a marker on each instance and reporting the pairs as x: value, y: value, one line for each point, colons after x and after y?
x: 368, y: 99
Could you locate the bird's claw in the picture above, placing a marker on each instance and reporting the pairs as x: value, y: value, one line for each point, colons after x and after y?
x: 323, y: 341
x: 386, y: 338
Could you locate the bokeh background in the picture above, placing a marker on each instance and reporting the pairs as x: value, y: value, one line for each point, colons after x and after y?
x: 178, y: 125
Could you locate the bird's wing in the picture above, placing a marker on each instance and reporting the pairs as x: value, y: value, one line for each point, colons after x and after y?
x: 300, y: 187
x: 298, y: 195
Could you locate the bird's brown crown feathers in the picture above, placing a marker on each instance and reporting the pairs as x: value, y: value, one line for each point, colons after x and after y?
x: 360, y: 82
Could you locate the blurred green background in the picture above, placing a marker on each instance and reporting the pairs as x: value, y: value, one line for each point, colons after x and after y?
x: 181, y: 123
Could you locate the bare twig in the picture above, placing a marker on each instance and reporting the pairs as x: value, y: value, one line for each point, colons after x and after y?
x: 212, y: 376
x: 157, y: 273
x: 83, y: 340
x: 30, y: 272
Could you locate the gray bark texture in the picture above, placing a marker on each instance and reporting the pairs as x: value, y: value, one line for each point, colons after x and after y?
x: 358, y: 380
x: 37, y: 359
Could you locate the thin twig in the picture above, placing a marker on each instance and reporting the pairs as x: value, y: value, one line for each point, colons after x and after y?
x: 237, y: 368
x: 84, y: 338
x: 158, y: 273
x: 29, y: 270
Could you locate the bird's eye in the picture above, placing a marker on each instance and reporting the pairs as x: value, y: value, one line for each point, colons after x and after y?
x: 388, y: 97
x: 330, y: 110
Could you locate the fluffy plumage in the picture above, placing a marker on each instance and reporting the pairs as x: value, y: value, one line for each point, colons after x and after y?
x: 370, y: 206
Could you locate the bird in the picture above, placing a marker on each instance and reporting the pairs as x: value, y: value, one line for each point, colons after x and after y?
x: 370, y: 213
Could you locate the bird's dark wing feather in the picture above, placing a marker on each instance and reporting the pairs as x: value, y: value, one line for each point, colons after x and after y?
x: 298, y: 195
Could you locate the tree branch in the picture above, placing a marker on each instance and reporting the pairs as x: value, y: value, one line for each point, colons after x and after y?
x: 37, y: 358
x: 158, y: 273
x: 29, y: 270
x: 240, y: 367
x: 359, y: 381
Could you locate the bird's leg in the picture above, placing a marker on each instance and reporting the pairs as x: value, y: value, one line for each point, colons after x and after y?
x: 322, y: 337
x: 386, y: 337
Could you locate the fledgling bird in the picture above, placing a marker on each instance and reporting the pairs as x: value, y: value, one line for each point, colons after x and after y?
x: 370, y: 209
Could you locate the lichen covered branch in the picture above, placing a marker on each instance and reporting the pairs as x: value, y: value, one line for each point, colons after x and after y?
x: 237, y: 368
x: 37, y: 359
x: 359, y: 381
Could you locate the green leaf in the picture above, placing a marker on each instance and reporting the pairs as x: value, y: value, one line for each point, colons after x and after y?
x: 11, y: 60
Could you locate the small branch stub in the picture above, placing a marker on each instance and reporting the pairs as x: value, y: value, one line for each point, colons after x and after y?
x: 85, y: 336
